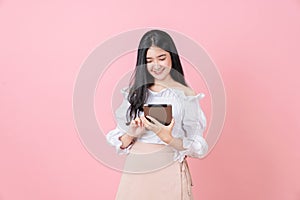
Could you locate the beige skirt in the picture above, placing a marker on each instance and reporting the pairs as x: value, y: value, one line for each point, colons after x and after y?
x: 151, y: 174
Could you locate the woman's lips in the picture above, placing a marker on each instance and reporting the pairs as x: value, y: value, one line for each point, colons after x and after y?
x: 158, y: 72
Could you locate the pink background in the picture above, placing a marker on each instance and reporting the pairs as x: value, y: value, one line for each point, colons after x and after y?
x: 255, y: 45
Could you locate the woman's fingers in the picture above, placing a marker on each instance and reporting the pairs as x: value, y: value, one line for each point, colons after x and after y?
x: 133, y: 123
x: 140, y: 124
x: 154, y: 120
x: 172, y: 123
x: 138, y: 121
x: 144, y: 120
x: 146, y: 123
x: 150, y: 126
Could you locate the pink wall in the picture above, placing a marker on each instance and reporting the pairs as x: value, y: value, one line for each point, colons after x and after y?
x: 255, y: 45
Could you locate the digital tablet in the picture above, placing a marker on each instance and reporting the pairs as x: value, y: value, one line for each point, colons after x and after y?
x: 161, y: 112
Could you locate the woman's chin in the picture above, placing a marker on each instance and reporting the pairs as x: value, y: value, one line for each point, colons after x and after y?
x: 159, y: 77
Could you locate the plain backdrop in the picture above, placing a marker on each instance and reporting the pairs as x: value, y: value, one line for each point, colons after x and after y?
x: 255, y: 45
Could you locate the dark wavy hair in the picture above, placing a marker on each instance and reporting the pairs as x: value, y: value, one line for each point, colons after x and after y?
x: 141, y: 79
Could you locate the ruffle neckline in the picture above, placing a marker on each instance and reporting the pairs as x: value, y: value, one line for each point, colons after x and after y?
x: 179, y: 92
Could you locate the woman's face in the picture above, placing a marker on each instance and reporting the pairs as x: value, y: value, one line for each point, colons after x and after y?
x: 159, y: 62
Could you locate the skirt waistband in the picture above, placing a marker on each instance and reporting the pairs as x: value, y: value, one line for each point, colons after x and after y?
x: 148, y: 148
x: 148, y: 157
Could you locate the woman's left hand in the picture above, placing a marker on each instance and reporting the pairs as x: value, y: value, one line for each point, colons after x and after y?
x: 162, y: 131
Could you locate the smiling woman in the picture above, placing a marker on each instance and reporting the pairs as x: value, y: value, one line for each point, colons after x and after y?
x: 156, y: 153
x: 158, y: 63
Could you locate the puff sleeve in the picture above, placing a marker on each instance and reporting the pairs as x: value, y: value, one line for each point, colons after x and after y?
x: 193, y: 125
x: 113, y: 136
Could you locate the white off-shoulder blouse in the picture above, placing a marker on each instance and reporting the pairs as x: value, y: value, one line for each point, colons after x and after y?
x: 190, y: 123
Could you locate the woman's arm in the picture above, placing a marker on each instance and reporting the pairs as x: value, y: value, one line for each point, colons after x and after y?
x: 176, y: 143
x: 164, y: 132
x: 126, y: 140
x: 118, y: 137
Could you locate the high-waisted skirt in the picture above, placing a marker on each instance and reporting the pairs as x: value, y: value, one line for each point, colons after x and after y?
x: 151, y: 174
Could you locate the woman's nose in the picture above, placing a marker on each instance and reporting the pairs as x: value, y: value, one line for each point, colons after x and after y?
x: 156, y: 64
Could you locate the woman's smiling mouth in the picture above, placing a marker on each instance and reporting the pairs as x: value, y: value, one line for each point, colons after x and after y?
x: 158, y: 72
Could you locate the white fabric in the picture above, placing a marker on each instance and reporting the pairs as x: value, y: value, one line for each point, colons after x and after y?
x: 190, y: 123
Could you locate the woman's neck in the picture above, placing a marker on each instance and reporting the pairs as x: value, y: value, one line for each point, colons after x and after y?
x: 165, y: 83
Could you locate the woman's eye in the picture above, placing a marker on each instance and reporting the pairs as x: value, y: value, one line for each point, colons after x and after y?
x: 148, y: 61
x: 162, y: 59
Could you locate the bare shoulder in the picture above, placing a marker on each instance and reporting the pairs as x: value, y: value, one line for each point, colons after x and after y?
x: 187, y: 90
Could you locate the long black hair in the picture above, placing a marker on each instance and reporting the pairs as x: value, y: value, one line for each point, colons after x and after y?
x: 141, y: 79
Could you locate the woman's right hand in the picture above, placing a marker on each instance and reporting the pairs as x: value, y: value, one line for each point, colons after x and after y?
x: 136, y: 128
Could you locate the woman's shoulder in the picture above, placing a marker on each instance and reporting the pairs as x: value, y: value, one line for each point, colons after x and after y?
x: 188, y: 91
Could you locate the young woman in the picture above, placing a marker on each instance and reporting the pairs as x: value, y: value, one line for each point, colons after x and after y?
x: 156, y: 152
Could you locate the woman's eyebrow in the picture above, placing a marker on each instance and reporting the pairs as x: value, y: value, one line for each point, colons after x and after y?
x: 157, y: 56
x: 161, y: 55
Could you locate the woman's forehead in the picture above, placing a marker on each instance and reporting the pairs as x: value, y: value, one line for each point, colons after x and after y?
x: 155, y: 51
